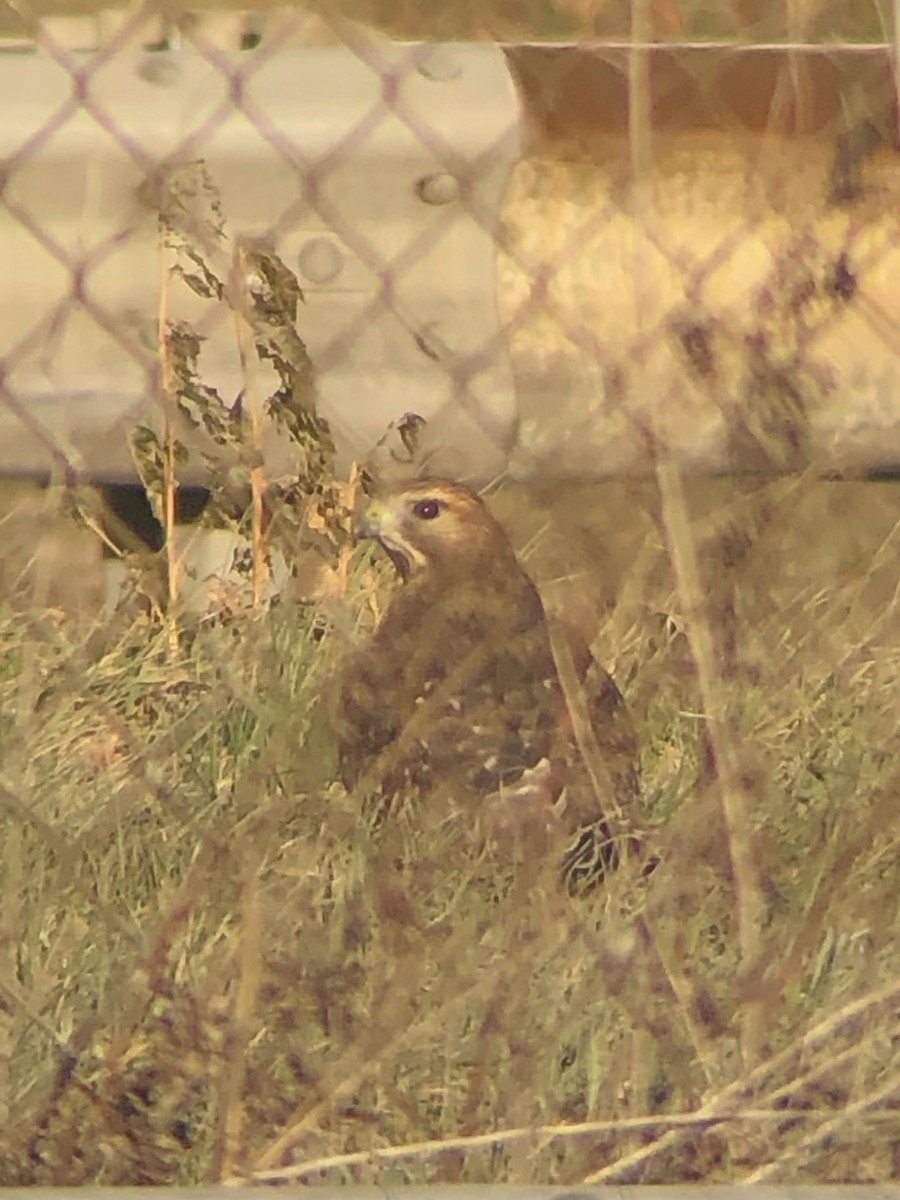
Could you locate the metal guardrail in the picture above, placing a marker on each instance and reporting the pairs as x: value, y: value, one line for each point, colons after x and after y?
x: 398, y: 276
x: 559, y: 255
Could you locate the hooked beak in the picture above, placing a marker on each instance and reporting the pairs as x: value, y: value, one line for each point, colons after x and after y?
x: 378, y: 522
x: 367, y: 523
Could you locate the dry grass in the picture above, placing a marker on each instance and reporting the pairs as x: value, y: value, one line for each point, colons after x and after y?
x: 211, y: 968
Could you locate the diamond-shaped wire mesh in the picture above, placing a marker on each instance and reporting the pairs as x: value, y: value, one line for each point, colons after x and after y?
x: 634, y: 266
x: 691, y: 257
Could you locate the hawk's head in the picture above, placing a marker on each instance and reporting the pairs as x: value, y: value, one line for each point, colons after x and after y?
x: 433, y: 525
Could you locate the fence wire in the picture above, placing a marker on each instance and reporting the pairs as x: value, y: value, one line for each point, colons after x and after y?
x: 630, y: 270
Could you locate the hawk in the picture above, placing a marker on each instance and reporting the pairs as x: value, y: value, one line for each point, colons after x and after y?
x: 459, y: 691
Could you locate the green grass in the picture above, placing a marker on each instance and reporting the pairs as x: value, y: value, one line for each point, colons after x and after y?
x: 210, y: 966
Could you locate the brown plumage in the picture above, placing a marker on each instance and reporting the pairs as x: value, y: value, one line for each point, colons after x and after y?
x: 458, y: 690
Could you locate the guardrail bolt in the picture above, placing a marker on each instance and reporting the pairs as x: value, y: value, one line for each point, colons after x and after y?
x: 441, y: 188
x: 160, y: 69
x: 320, y: 260
x: 439, y: 64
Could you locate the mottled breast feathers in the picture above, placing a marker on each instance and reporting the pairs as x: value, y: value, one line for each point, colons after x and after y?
x: 459, y: 688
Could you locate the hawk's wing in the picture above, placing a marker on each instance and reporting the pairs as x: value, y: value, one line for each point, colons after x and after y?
x: 457, y: 705
x: 602, y: 778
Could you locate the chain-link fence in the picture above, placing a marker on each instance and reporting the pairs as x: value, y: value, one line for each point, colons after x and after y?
x: 456, y: 217
x: 631, y: 269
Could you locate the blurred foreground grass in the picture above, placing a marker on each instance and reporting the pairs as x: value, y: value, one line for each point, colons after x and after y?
x: 211, y: 968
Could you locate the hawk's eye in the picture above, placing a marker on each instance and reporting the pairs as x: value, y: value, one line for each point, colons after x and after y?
x: 426, y: 510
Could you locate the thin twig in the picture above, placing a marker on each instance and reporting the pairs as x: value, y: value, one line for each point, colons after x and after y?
x: 169, y: 387
x: 685, y: 993
x: 841, y: 1061
x: 506, y: 1137
x: 230, y: 1149
x: 250, y: 369
x: 827, y: 1130
x: 735, y: 801
x: 727, y: 1101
